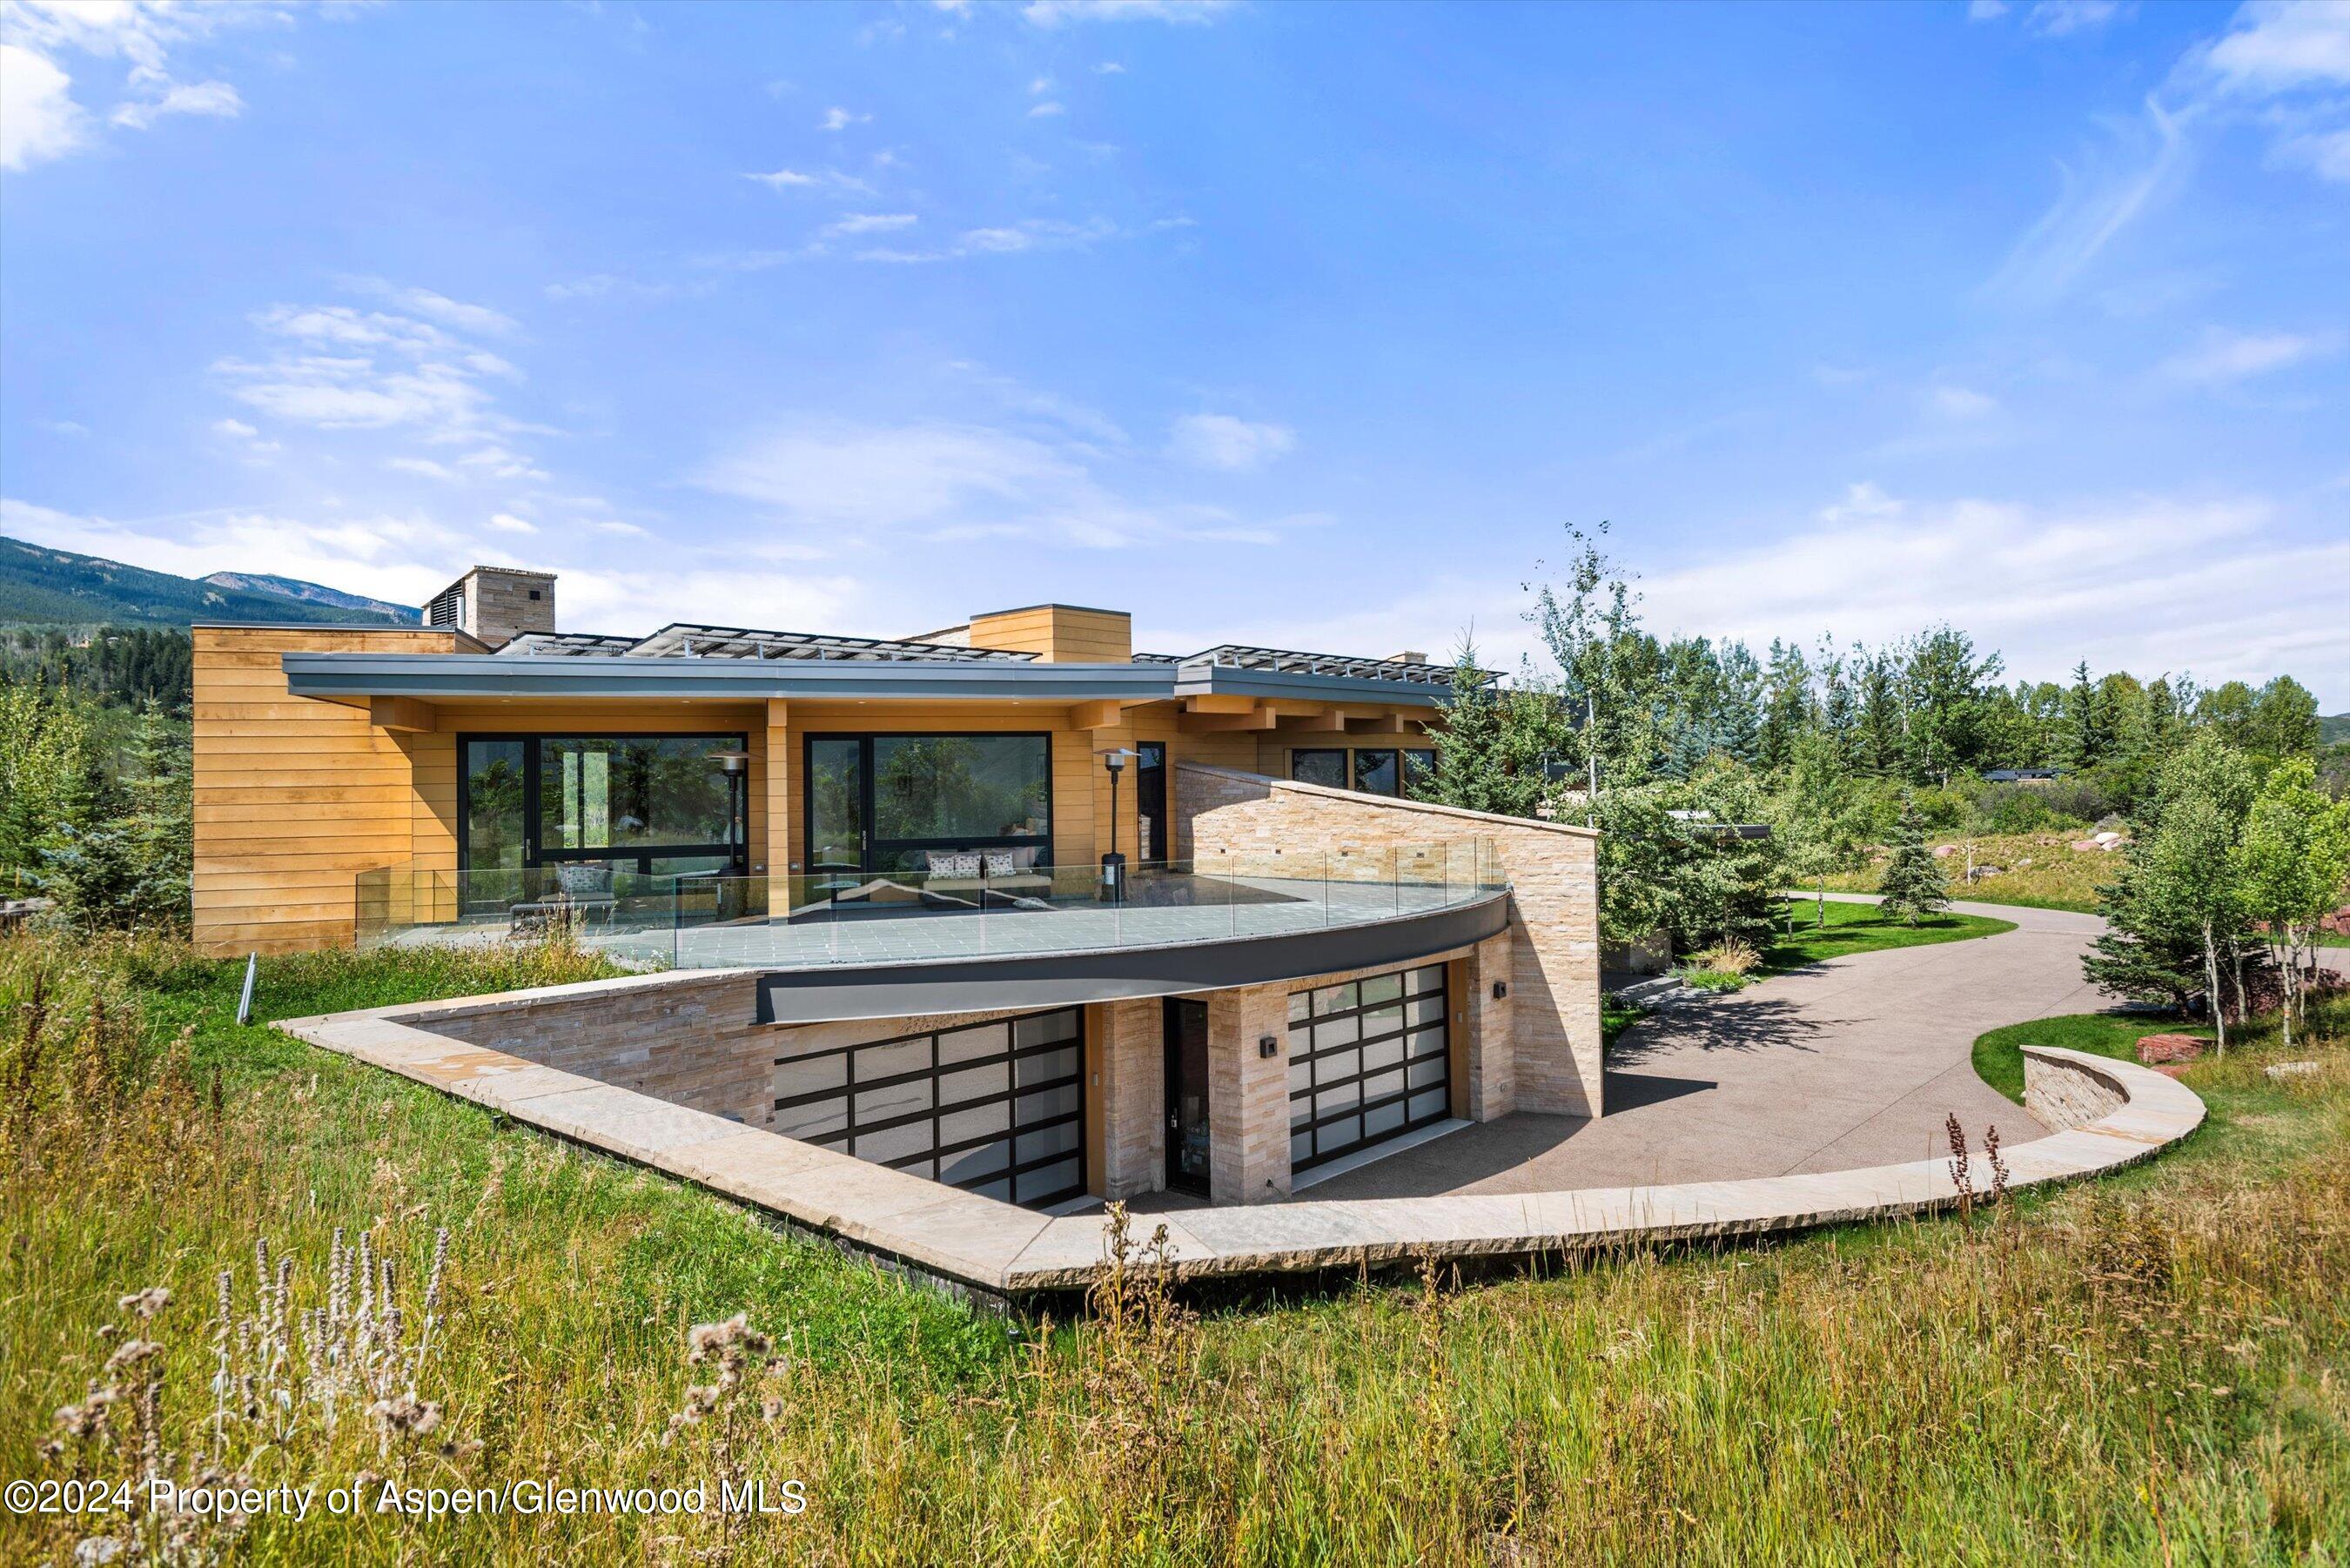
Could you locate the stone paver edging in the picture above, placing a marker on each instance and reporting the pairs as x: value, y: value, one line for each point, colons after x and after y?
x: 2115, y: 1113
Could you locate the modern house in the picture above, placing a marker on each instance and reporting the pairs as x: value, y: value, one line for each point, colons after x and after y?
x: 1007, y: 905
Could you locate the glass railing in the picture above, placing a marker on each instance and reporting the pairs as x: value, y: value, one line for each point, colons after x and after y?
x: 993, y: 905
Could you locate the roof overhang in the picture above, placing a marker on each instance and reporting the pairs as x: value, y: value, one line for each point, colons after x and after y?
x: 456, y: 677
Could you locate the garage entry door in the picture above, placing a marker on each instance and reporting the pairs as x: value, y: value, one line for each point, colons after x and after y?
x: 996, y: 1109
x: 1367, y: 1061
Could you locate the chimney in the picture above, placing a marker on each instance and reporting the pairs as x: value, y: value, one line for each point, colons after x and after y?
x: 496, y: 604
x: 1408, y: 656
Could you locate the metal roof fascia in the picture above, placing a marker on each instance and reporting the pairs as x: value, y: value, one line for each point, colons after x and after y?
x: 1198, y: 680
x: 467, y: 675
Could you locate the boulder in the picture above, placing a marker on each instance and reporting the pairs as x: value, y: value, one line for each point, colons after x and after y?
x: 2156, y: 1049
x: 1943, y: 851
x: 2081, y: 845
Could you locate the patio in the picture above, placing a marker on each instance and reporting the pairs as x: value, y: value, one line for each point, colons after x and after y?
x: 1162, y: 909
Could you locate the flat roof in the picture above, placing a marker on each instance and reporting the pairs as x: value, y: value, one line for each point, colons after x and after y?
x: 461, y: 675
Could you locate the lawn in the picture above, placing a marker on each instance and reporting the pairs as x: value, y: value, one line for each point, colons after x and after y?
x: 2142, y: 1369
x: 1862, y: 928
x: 1999, y: 1062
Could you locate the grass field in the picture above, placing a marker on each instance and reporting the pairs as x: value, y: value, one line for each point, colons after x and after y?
x: 2150, y: 1369
x: 2058, y: 877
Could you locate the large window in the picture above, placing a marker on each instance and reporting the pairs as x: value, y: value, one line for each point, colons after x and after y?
x: 1367, y: 1061
x: 1406, y: 771
x: 879, y: 803
x: 651, y: 804
x: 996, y: 1109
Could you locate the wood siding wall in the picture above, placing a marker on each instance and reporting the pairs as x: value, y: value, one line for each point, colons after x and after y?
x: 293, y: 797
x: 1058, y: 634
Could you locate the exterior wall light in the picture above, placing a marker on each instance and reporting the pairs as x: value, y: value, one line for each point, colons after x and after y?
x: 1268, y: 1045
x: 1501, y: 989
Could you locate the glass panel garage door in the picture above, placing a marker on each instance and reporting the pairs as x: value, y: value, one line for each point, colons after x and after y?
x: 997, y: 1107
x: 1366, y: 1062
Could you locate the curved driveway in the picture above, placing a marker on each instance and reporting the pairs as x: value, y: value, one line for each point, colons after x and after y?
x: 1851, y: 1062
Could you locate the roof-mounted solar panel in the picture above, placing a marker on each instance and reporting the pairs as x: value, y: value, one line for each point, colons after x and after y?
x: 567, y: 645
x: 1239, y: 656
x: 684, y: 640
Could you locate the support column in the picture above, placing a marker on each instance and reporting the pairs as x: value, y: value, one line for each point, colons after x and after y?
x: 1131, y: 1059
x: 775, y: 853
x: 1484, y: 1086
x: 1248, y: 1096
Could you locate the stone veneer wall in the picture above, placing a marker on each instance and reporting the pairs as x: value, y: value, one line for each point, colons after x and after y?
x: 2064, y: 1095
x: 1259, y: 825
x: 691, y: 1039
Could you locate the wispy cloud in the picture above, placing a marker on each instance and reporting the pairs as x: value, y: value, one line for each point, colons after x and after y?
x: 1226, y: 443
x: 2286, y: 65
x: 2109, y: 188
x: 2061, y: 18
x: 1058, y: 12
x: 1045, y: 111
x: 827, y: 180
x: 838, y: 118
x: 954, y: 481
x: 215, y: 99
x: 2225, y: 357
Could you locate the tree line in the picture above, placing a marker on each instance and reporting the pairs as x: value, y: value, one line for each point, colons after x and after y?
x: 1844, y: 749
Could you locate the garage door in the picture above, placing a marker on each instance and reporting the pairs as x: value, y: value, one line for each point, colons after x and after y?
x: 996, y: 1109
x: 1367, y: 1062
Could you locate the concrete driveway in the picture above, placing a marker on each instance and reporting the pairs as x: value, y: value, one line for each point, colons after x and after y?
x: 1853, y: 1062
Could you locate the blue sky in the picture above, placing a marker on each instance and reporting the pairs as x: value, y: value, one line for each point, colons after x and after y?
x: 1307, y: 325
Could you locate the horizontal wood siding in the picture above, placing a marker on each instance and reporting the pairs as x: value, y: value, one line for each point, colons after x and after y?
x: 295, y: 797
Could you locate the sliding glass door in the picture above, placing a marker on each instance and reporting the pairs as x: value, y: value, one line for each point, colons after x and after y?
x: 882, y: 803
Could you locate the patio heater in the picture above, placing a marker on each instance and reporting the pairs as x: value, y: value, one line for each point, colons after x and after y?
x: 1113, y: 864
x: 737, y: 766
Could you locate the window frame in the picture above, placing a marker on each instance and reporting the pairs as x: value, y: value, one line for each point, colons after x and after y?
x: 870, y: 842
x: 535, y: 853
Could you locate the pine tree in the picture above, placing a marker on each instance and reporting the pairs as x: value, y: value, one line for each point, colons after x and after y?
x: 1913, y: 885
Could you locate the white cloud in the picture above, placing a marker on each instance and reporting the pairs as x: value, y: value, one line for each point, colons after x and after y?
x: 871, y: 223
x: 2276, y: 46
x: 1055, y: 13
x: 2224, y: 356
x: 38, y: 117
x: 1045, y: 111
x: 439, y: 308
x: 424, y: 465
x: 1223, y: 441
x: 507, y: 523
x: 1986, y: 10
x: 1957, y: 403
x: 2058, y: 19
x: 215, y: 99
x: 2145, y: 584
x: 237, y: 428
x: 1109, y: 68
x: 838, y: 118
x: 832, y: 180
x: 2285, y: 66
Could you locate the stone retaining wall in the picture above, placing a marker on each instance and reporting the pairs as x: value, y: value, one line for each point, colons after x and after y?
x: 1279, y: 827
x: 2068, y: 1093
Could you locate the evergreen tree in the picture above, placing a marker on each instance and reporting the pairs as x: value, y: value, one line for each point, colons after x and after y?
x: 161, y: 826
x: 1913, y: 884
x: 1496, y: 748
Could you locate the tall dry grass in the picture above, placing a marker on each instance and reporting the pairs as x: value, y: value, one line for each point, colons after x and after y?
x: 2148, y: 1370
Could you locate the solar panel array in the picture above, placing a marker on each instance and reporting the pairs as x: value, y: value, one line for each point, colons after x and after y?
x: 691, y: 640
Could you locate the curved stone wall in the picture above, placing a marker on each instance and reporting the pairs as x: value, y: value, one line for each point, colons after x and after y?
x: 2112, y: 1114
